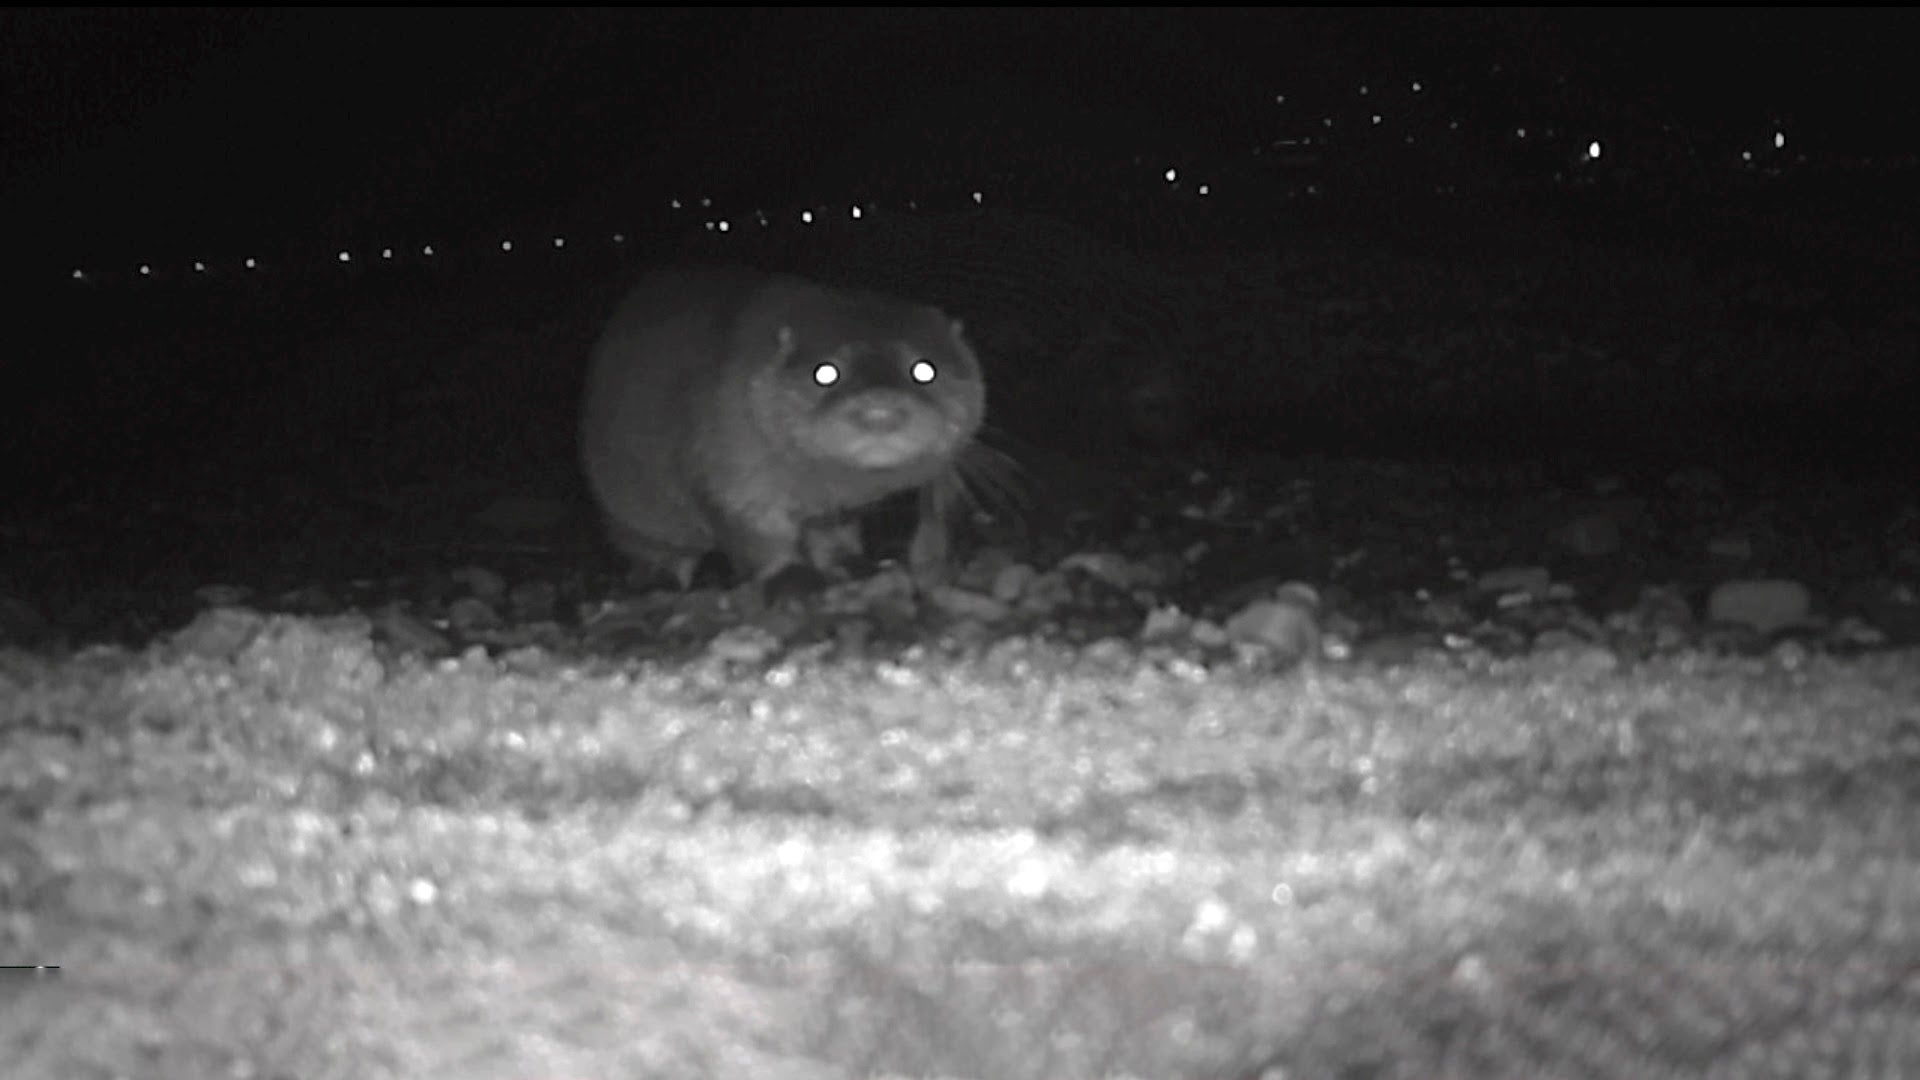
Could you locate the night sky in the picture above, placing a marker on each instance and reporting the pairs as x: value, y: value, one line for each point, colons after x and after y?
x: 152, y: 153
x: 166, y: 133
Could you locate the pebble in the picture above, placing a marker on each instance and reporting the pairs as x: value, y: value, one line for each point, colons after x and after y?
x: 1765, y: 605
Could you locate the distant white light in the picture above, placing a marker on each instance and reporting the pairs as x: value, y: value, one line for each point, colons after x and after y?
x: 708, y: 224
x: 1279, y: 99
x: 674, y: 203
x: 386, y: 253
x: 1746, y: 155
x: 806, y: 217
x: 1593, y: 150
x: 1519, y: 133
x: 79, y: 275
x: 725, y: 225
x: 344, y: 257
x: 145, y: 270
x: 1376, y: 119
x: 977, y: 197
x: 1173, y: 176
x: 1364, y: 91
x: 506, y: 245
x: 252, y: 263
x: 1779, y: 139
x: 1206, y: 189
x: 427, y: 250
x: 1326, y: 121
x: 199, y: 267
x: 1417, y: 87
x: 706, y: 202
x: 559, y: 241
x: 619, y: 238
x: 1453, y: 125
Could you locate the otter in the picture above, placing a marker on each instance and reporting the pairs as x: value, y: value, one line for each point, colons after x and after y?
x: 759, y: 414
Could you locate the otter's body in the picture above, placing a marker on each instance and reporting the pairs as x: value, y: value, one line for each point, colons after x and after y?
x: 738, y: 411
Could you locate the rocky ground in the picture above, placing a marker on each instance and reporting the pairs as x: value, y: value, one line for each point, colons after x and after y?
x: 335, y: 743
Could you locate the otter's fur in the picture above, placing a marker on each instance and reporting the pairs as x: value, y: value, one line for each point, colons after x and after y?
x: 743, y: 412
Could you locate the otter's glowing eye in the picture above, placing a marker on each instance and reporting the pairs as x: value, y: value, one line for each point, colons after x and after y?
x: 921, y: 371
x: 826, y: 374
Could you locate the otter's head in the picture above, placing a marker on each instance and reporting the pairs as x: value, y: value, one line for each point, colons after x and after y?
x: 873, y: 385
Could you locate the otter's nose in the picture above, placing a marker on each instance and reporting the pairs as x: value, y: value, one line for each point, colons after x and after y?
x: 881, y: 417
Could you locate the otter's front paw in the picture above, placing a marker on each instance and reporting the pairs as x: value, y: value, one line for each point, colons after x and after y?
x: 713, y: 571
x: 792, y: 582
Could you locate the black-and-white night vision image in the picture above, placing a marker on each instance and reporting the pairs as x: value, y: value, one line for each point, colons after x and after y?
x: 961, y: 543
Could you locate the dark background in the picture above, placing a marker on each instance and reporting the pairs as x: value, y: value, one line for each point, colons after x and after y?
x: 149, y: 152
x: 170, y: 135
